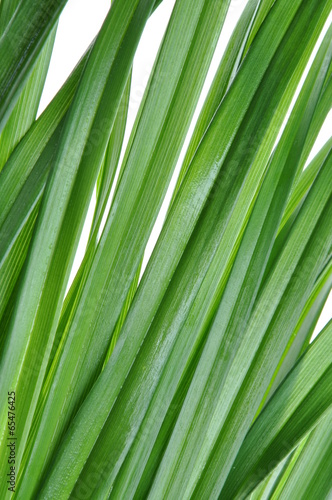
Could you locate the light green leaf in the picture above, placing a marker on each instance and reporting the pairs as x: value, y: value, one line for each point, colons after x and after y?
x: 263, y: 10
x: 202, y: 373
x: 322, y: 110
x: 310, y: 474
x: 198, y: 425
x: 16, y: 230
x: 113, y: 370
x: 226, y: 72
x: 112, y: 156
x: 299, y: 191
x: 292, y: 412
x: 22, y: 183
x: 121, y: 247
x: 304, y: 329
x: 26, y: 154
x: 70, y: 185
x: 302, y: 185
x: 266, y: 488
x: 275, y: 317
x: 104, y: 186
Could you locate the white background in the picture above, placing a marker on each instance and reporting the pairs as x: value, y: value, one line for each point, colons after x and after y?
x: 79, y: 24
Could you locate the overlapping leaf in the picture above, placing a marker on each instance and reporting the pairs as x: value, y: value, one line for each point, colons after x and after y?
x: 295, y: 408
x: 108, y: 389
x: 121, y: 248
x: 22, y: 183
x: 193, y: 371
x: 71, y: 184
x: 190, y: 449
x: 20, y: 47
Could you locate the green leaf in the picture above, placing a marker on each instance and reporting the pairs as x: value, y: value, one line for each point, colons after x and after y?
x: 263, y: 10
x: 20, y: 47
x: 188, y: 448
x: 299, y: 191
x: 26, y: 154
x: 226, y: 72
x: 115, y: 253
x: 302, y: 185
x: 275, y: 316
x: 194, y: 368
x: 310, y: 474
x: 304, y: 329
x: 266, y: 488
x: 120, y: 360
x: 25, y: 110
x: 104, y: 186
x: 16, y: 230
x: 22, y: 182
x: 70, y: 185
x: 7, y: 9
x: 112, y: 156
x: 322, y: 110
x: 293, y: 411
x: 72, y: 298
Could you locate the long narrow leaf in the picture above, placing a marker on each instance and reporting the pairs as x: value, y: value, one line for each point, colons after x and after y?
x: 20, y: 46
x: 310, y: 475
x: 110, y: 389
x: 294, y: 409
x: 264, y: 331
x: 121, y: 248
x: 71, y: 184
x: 188, y: 449
x: 25, y: 110
x: 21, y: 188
